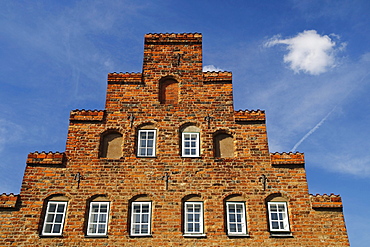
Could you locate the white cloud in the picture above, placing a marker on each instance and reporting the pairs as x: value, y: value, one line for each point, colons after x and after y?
x: 309, y: 52
x: 211, y: 68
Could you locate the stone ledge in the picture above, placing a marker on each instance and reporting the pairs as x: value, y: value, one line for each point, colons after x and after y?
x: 326, y: 201
x: 87, y: 115
x: 44, y: 158
x: 125, y: 78
x: 217, y: 76
x: 173, y: 37
x: 8, y: 201
x: 287, y: 158
x: 247, y: 115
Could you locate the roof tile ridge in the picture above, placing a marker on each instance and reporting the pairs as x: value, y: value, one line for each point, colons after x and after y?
x: 11, y: 194
x: 125, y: 73
x: 284, y: 153
x: 250, y: 111
x: 44, y: 152
x: 83, y: 110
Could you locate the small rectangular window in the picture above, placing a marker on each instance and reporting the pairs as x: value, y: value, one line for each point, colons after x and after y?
x: 141, y: 218
x: 278, y: 216
x: 98, y: 218
x: 54, y: 218
x: 236, y: 224
x: 146, y: 143
x: 190, y: 144
x: 193, y: 222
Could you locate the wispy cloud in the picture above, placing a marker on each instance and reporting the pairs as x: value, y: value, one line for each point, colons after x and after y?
x: 312, y: 130
x: 211, y: 68
x: 309, y: 52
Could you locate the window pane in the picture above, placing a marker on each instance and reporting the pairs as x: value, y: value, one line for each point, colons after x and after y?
x: 57, y: 228
x: 48, y: 228
x: 190, y: 227
x: 60, y: 208
x: 52, y: 207
x: 144, y: 229
x: 145, y: 218
x: 50, y: 218
x: 58, y: 218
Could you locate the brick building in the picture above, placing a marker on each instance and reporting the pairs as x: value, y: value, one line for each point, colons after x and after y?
x: 169, y: 162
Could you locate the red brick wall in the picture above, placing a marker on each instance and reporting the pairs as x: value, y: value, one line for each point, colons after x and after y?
x: 204, y: 100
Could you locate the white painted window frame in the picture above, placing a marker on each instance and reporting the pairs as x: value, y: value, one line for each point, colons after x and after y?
x: 193, y: 215
x: 146, y: 217
x: 97, y: 219
x: 236, y: 217
x: 52, y: 218
x: 278, y: 215
x: 191, y: 147
x: 146, y: 147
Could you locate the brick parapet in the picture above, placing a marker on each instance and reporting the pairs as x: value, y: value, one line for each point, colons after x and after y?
x: 124, y: 78
x: 217, y: 76
x: 44, y: 158
x: 8, y: 201
x: 326, y: 201
x: 249, y: 115
x: 87, y: 115
x: 173, y: 37
x: 287, y: 158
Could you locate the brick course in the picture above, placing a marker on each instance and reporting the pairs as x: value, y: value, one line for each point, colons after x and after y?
x: 204, y: 100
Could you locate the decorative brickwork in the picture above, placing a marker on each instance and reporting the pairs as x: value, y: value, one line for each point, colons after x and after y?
x: 157, y: 158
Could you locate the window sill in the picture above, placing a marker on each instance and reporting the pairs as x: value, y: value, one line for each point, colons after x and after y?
x: 281, y: 235
x: 51, y: 236
x: 141, y: 236
x: 194, y: 235
x: 96, y: 236
x: 238, y: 235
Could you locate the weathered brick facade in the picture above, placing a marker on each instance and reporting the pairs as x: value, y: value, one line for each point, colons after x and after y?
x: 102, y: 163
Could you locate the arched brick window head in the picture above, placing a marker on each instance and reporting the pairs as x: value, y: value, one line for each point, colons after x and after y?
x: 168, y: 91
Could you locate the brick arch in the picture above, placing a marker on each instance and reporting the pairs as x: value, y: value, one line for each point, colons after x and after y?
x: 276, y: 195
x: 168, y: 90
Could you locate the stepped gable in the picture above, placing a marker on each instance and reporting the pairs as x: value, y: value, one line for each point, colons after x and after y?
x: 217, y: 76
x: 326, y: 201
x: 44, y: 158
x: 173, y: 37
x: 87, y: 115
x: 125, y: 78
x: 247, y: 115
x: 287, y: 158
x: 8, y: 201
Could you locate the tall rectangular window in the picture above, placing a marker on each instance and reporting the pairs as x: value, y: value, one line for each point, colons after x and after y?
x: 54, y: 218
x: 141, y: 218
x: 98, y: 218
x: 278, y: 216
x: 236, y: 223
x: 146, y: 143
x: 193, y: 222
x: 190, y: 144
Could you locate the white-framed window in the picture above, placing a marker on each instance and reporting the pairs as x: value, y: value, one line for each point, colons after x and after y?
x: 146, y: 143
x: 54, y: 218
x: 278, y: 216
x: 193, y: 218
x: 236, y: 220
x: 190, y: 144
x: 141, y: 218
x: 98, y: 218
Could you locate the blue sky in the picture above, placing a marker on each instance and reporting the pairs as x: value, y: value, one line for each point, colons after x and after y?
x: 306, y: 63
